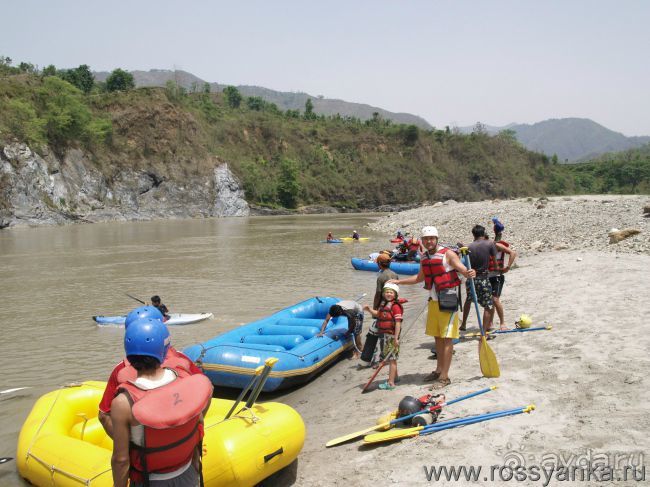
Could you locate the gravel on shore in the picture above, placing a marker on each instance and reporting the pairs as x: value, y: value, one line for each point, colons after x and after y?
x: 535, y: 225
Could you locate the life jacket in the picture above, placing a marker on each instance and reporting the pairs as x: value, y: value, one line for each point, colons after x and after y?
x: 171, y: 417
x: 496, y: 263
x: 385, y: 318
x: 174, y: 360
x: 435, y: 274
x: 414, y: 244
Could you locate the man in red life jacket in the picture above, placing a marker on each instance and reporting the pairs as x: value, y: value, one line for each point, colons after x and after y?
x: 123, y: 371
x: 439, y: 269
x: 157, y: 417
x: 497, y: 269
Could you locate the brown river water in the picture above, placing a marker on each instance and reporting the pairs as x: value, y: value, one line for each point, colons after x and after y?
x: 54, y: 279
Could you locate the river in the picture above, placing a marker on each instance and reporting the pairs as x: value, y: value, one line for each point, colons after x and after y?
x: 54, y: 279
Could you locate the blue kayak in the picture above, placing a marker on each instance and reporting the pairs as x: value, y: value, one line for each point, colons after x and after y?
x: 336, y: 240
x: 230, y: 359
x: 405, y: 268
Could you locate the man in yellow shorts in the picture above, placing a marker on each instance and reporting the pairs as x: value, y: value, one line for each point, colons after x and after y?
x: 439, y: 269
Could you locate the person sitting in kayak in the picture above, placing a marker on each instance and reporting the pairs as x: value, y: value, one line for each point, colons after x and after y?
x: 399, y: 235
x: 355, y: 235
x: 330, y: 236
x: 156, y: 303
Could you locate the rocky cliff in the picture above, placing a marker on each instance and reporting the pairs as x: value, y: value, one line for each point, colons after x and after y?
x: 44, y: 188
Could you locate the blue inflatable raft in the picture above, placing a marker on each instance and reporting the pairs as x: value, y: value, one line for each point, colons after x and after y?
x: 230, y: 360
x: 405, y: 268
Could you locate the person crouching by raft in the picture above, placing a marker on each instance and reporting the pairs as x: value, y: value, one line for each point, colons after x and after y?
x: 389, y: 324
x: 497, y: 269
x: 158, y: 417
x: 124, y: 371
x: 354, y: 313
x: 439, y: 269
x: 157, y: 303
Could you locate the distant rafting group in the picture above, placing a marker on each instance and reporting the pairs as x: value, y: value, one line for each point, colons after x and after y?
x: 157, y: 424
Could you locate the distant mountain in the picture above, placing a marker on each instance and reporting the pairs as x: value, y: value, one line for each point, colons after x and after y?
x: 572, y: 139
x: 284, y: 100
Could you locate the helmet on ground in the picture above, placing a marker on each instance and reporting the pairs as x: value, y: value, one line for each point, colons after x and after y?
x: 408, y: 405
x: 524, y: 321
x: 143, y: 312
x: 393, y: 286
x: 429, y: 232
x: 147, y: 336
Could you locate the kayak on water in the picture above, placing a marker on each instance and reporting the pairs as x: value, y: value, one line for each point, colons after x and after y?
x: 175, y: 319
x: 350, y: 239
x: 336, y: 240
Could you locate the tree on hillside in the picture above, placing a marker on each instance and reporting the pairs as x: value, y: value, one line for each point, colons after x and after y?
x: 233, y: 97
x: 309, y: 110
x: 288, y: 187
x: 120, y: 80
x: 255, y: 103
x: 49, y: 70
x: 80, y: 77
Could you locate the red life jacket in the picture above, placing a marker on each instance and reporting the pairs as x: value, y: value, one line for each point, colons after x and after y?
x: 171, y: 417
x: 386, y: 319
x: 496, y: 263
x: 174, y: 360
x: 414, y: 244
x: 435, y: 273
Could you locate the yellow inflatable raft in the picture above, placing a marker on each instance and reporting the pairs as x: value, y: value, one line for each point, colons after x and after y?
x: 62, y: 442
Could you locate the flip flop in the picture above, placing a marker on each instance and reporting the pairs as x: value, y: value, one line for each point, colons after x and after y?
x: 385, y: 386
x: 433, y: 376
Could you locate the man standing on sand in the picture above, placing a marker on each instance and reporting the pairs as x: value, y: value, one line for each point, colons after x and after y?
x: 481, y: 250
x: 439, y: 269
x: 497, y: 269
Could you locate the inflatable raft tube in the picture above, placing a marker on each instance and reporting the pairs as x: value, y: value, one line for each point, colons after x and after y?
x: 175, y: 319
x: 404, y: 268
x: 63, y: 444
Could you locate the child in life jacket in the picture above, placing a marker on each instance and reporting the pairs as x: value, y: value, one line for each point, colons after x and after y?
x: 389, y: 324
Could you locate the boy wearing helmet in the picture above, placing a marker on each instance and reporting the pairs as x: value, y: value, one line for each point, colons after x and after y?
x: 389, y: 324
x: 153, y: 414
x: 124, y: 371
x: 439, y: 269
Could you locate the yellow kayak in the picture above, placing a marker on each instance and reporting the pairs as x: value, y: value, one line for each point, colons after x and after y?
x: 350, y: 239
x: 62, y: 442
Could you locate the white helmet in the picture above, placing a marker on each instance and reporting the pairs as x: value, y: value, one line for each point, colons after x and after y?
x: 393, y: 286
x: 429, y: 232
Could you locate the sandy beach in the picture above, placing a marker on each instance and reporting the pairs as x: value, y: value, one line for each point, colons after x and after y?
x: 588, y: 378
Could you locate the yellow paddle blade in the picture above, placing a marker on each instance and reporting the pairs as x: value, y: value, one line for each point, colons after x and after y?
x: 352, y: 436
x: 392, y: 435
x: 488, y: 360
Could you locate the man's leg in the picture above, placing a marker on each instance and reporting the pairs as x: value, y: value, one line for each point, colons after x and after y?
x: 466, y: 307
x: 444, y: 358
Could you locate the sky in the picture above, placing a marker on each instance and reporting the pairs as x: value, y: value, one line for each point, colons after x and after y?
x: 454, y: 62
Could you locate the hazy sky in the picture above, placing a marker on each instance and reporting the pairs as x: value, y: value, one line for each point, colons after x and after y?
x: 452, y: 62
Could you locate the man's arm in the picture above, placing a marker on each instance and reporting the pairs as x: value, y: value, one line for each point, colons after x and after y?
x: 104, y: 415
x: 419, y: 277
x: 512, y: 256
x: 454, y: 261
x: 324, y: 325
x: 121, y: 420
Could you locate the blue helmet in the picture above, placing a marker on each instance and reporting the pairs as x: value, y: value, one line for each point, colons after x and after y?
x: 147, y: 336
x: 143, y: 312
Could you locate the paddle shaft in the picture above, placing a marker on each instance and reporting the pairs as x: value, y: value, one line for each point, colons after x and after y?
x: 241, y: 396
x: 472, y: 420
x: 136, y: 299
x: 379, y: 367
x: 5, y: 459
x: 472, y: 289
x: 270, y: 362
x: 516, y: 330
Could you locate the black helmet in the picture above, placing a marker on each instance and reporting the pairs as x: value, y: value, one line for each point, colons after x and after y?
x: 336, y: 310
x: 408, y: 405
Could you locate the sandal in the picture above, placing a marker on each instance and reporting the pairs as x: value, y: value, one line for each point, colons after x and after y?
x: 432, y: 376
x: 385, y: 386
x: 440, y: 383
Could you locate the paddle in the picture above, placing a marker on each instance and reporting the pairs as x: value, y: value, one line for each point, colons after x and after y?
x: 5, y: 459
x: 486, y: 356
x: 15, y: 389
x: 133, y: 297
x: 255, y: 377
x: 268, y: 365
x: 351, y: 436
x: 453, y: 423
x: 514, y: 330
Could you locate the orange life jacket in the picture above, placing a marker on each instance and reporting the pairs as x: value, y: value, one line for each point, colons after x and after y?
x: 174, y: 360
x: 496, y: 264
x: 171, y: 416
x: 435, y: 273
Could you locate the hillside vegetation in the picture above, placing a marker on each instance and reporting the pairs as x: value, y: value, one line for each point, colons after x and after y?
x: 283, y: 158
